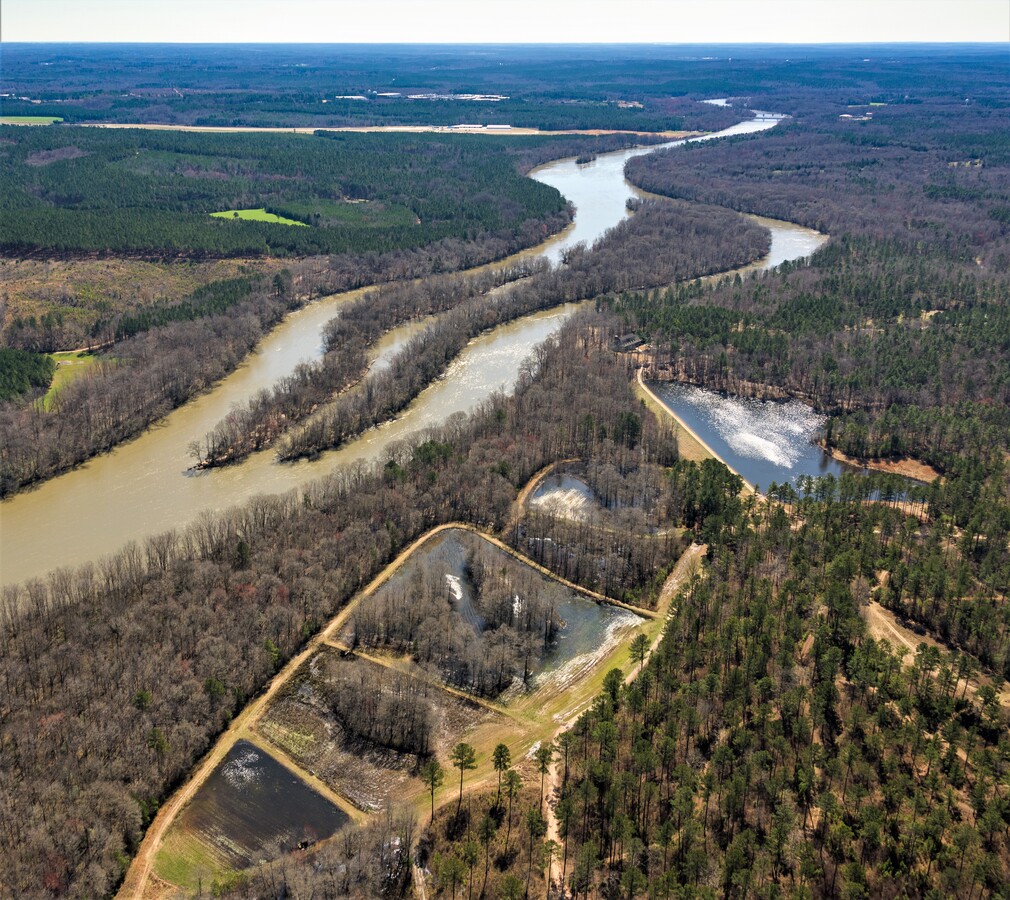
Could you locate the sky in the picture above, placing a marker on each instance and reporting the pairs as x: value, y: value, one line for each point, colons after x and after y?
x: 505, y: 21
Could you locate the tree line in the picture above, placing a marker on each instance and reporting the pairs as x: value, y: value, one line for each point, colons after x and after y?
x: 635, y: 252
x: 22, y: 373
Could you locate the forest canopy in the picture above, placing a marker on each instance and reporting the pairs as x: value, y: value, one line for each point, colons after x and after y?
x: 138, y: 192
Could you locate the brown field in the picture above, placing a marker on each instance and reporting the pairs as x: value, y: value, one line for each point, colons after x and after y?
x: 302, y: 724
x: 83, y: 291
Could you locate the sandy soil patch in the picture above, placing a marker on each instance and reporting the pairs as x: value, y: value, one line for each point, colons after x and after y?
x: 885, y: 625
x: 909, y: 468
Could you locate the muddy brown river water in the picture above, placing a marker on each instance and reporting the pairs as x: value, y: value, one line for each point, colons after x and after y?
x: 145, y: 487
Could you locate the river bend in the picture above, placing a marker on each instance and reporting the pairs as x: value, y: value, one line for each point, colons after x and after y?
x: 146, y: 487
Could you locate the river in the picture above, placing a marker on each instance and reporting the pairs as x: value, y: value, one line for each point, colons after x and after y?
x: 145, y: 486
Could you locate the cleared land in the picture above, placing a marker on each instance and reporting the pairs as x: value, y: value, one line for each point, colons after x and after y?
x: 70, y: 364
x: 397, y: 129
x: 884, y: 625
x: 908, y: 468
x: 256, y: 215
x: 29, y: 120
x: 75, y: 296
x: 305, y: 723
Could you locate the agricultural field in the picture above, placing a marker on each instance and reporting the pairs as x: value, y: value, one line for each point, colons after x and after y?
x: 29, y: 120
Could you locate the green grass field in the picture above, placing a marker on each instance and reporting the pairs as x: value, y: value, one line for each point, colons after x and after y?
x: 256, y: 215
x: 69, y: 365
x: 189, y: 862
x: 29, y: 120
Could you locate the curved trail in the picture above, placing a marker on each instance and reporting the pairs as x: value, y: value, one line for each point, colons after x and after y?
x: 686, y: 567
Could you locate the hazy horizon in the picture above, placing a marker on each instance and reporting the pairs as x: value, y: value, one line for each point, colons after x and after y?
x: 451, y: 22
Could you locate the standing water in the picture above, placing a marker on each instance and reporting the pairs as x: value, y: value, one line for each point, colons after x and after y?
x: 145, y: 486
x: 764, y: 441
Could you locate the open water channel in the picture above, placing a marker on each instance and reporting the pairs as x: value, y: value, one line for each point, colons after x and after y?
x: 146, y: 486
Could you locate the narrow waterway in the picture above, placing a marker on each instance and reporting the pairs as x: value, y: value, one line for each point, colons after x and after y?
x: 145, y: 486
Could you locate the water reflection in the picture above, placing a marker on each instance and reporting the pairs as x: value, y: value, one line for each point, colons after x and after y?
x: 764, y: 441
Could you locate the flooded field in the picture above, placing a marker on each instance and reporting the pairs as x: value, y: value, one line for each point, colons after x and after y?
x: 439, y: 592
x: 306, y: 722
x: 590, y: 632
x: 251, y: 809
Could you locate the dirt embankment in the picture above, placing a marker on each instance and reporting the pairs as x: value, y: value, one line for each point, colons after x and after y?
x: 690, y: 444
x: 141, y: 881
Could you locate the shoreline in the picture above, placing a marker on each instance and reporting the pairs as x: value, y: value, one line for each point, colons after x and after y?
x: 650, y: 394
x: 906, y: 466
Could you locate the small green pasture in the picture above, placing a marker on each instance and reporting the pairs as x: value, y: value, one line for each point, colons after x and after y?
x: 256, y: 215
x: 189, y: 862
x: 70, y: 364
x: 29, y: 120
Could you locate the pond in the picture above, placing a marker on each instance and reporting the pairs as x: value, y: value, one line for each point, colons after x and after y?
x: 565, y: 496
x: 252, y: 809
x: 763, y: 441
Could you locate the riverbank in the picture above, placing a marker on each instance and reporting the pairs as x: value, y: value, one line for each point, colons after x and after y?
x: 139, y: 488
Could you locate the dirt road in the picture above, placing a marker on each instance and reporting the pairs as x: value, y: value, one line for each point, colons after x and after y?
x: 686, y: 568
x: 140, y: 880
x: 882, y: 623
